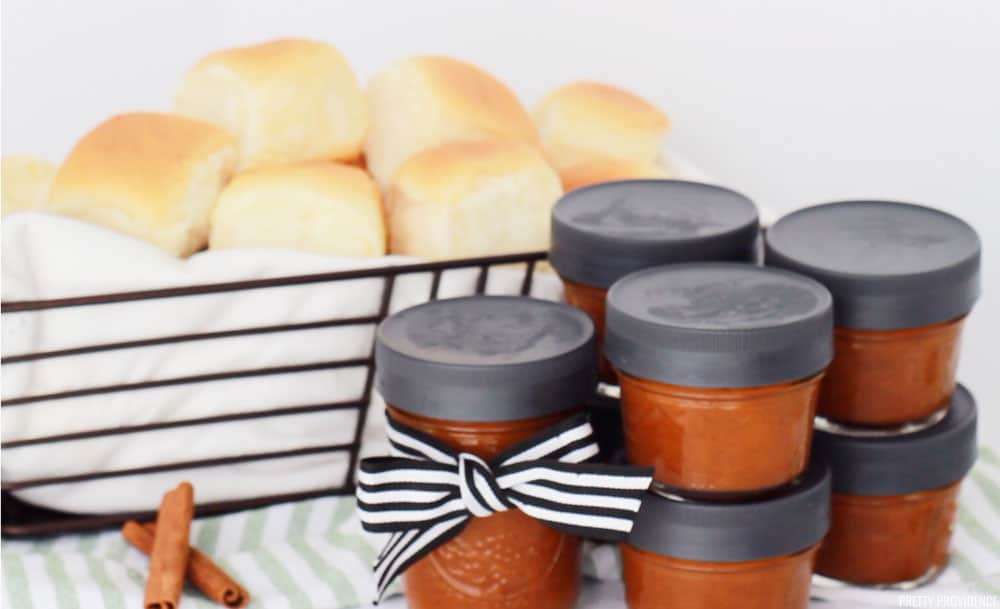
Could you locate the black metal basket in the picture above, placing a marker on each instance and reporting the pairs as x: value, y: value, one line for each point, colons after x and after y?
x: 23, y: 519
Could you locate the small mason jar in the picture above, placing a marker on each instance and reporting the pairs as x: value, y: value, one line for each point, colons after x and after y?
x: 606, y: 231
x: 894, y: 498
x: 482, y: 374
x: 903, y: 278
x: 719, y: 366
x: 707, y: 555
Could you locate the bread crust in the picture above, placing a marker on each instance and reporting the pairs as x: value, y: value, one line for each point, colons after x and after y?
x: 153, y: 176
x: 583, y: 120
x: 421, y: 102
x: 472, y: 198
x: 286, y: 101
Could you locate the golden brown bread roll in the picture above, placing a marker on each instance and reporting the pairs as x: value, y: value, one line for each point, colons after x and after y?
x: 421, y: 102
x: 320, y: 207
x: 583, y: 120
x: 473, y: 198
x: 599, y: 170
x: 152, y: 176
x: 285, y: 101
x: 26, y: 183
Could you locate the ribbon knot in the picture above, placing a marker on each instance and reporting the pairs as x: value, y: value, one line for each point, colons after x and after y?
x: 425, y: 494
x: 478, y: 488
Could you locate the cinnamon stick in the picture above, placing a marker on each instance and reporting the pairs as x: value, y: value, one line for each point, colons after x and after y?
x: 204, y: 574
x: 168, y: 559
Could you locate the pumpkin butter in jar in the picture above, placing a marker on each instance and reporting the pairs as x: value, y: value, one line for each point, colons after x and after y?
x: 482, y: 374
x: 903, y: 279
x: 719, y: 366
x: 895, y: 497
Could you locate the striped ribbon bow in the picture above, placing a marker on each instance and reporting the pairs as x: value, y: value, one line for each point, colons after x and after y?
x: 426, y: 492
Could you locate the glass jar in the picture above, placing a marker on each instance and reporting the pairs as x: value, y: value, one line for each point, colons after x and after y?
x: 720, y: 440
x: 603, y: 232
x: 894, y: 498
x: 720, y: 365
x: 481, y: 374
x: 910, y: 373
x: 903, y: 278
x: 699, y: 555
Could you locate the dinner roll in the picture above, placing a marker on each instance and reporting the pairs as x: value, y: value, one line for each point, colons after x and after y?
x: 473, y: 198
x: 320, y: 207
x: 421, y: 102
x: 152, y: 176
x: 26, y: 183
x: 599, y: 170
x: 285, y: 101
x: 583, y: 120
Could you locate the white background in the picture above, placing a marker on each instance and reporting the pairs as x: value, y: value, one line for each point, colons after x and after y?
x: 791, y: 101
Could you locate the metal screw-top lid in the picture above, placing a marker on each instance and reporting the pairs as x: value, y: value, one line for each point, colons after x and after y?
x: 903, y: 463
x: 718, y: 324
x: 486, y: 358
x: 606, y: 231
x: 889, y: 265
x: 734, y: 532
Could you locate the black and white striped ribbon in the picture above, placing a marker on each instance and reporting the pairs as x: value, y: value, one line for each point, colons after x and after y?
x: 426, y: 492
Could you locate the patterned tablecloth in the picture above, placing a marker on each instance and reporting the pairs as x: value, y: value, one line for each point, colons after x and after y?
x: 314, y: 555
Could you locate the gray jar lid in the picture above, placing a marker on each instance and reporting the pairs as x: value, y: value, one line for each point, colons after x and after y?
x: 719, y: 324
x: 486, y: 358
x: 735, y: 532
x: 606, y: 231
x: 904, y: 463
x: 889, y: 265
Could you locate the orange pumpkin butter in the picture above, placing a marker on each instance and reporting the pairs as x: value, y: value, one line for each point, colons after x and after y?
x: 895, y: 496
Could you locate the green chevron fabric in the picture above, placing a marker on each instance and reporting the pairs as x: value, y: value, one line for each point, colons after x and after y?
x: 314, y: 555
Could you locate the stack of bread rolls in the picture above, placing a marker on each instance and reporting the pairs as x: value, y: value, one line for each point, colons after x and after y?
x: 276, y: 145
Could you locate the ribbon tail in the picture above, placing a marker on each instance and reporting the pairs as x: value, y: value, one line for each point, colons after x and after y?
x: 607, y: 525
x: 584, y: 499
x: 405, y: 548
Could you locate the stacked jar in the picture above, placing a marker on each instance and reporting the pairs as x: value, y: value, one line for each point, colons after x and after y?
x: 799, y: 416
x: 897, y: 433
x: 603, y: 232
x: 719, y: 364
